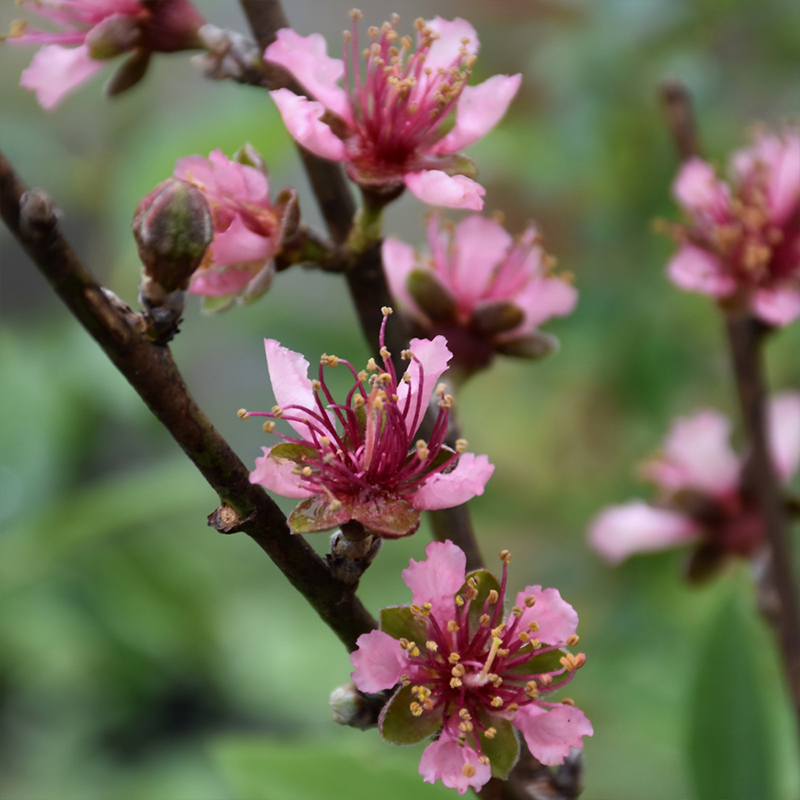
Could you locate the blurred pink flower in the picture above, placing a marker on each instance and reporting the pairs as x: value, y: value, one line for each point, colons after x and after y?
x: 475, y: 671
x: 100, y: 30
x: 388, y: 125
x: 742, y: 241
x: 702, y: 498
x: 359, y: 460
x: 248, y: 228
x: 483, y: 290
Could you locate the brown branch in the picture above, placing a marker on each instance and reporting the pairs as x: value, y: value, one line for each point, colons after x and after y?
x: 150, y: 369
x: 680, y: 116
x: 746, y: 336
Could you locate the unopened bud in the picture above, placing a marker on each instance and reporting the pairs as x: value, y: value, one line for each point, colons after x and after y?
x: 351, y: 707
x: 113, y: 36
x: 428, y: 293
x: 173, y: 230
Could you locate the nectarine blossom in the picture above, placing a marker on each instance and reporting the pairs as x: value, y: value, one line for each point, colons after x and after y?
x: 742, y: 242
x: 485, y: 291
x: 702, y: 494
x: 101, y: 30
x: 360, y: 460
x: 469, y: 674
x: 388, y: 126
x: 248, y: 228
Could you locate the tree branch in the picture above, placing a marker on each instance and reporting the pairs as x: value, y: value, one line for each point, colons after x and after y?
x: 680, y: 115
x: 150, y: 369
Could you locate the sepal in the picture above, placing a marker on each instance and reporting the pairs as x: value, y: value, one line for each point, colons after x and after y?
x: 400, y: 622
x: 503, y: 749
x: 398, y: 724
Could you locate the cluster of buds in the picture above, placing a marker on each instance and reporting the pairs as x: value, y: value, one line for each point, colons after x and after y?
x: 742, y: 242
x: 469, y: 675
x: 486, y: 292
x: 389, y: 126
x: 95, y: 31
x: 704, y: 492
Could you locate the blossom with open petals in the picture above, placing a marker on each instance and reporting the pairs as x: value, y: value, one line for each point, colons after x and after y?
x: 485, y: 291
x: 742, y: 242
x: 469, y: 674
x: 93, y: 31
x: 702, y: 496
x: 360, y: 460
x: 248, y: 228
x: 388, y: 127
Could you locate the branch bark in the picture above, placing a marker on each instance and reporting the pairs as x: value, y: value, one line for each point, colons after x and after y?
x: 150, y: 369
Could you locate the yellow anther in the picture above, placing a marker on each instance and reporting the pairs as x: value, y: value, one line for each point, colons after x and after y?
x: 471, y: 593
x: 406, y: 378
x: 490, y: 733
x: 484, y: 760
x: 277, y: 412
x: 432, y: 646
x: 324, y: 441
x: 419, y: 24
x: 453, y: 658
x: 458, y: 671
x: 426, y: 608
x: 413, y: 650
x: 373, y: 31
x: 545, y: 679
x: 335, y: 505
x: 416, y: 709
x: 503, y: 652
x: 493, y: 597
x: 385, y: 353
x: 517, y: 611
x: 315, y: 385
x: 485, y: 619
x: 371, y: 365
x: 466, y: 726
x: 464, y: 714
x: 452, y: 626
x: 567, y: 701
x: 385, y: 377
x: 406, y: 355
x: 268, y: 426
x: 461, y: 445
x: 530, y: 601
x: 440, y: 389
x: 512, y: 707
x: 468, y: 770
x: 533, y: 625
x: 455, y: 683
x: 573, y: 640
x: 306, y: 472
x: 358, y: 401
x: 524, y: 636
x: 571, y: 662
x: 242, y: 413
x: 536, y: 644
x: 386, y: 310
x: 495, y: 680
x: 355, y: 14
x: 459, y: 600
x: 505, y: 556
x: 497, y: 702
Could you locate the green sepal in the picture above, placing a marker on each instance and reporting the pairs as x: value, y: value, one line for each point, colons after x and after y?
x: 503, y: 750
x: 314, y: 514
x: 429, y: 294
x: 485, y: 583
x: 399, y: 726
x: 498, y: 317
x: 445, y: 454
x: 215, y: 305
x: 533, y: 346
x: 391, y: 519
x: 401, y: 623
x: 538, y: 663
x: 250, y: 157
x: 293, y: 452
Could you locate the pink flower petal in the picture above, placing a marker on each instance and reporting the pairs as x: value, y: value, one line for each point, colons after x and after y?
x: 444, y: 760
x: 481, y: 245
x: 698, y: 189
x: 379, y: 662
x: 557, y: 619
x: 275, y: 475
x: 784, y: 433
x: 399, y: 259
x: 445, y: 490
x: 479, y: 109
x: 430, y: 361
x: 698, y: 455
x: 437, y: 579
x: 240, y: 181
x: 288, y: 374
x: 306, y: 57
x: 444, y: 51
x: 55, y: 71
x: 620, y: 531
x: 302, y: 119
x: 437, y: 188
x: 697, y: 270
x: 239, y: 245
x: 542, y: 299
x: 550, y: 734
x: 219, y: 282
x: 778, y: 306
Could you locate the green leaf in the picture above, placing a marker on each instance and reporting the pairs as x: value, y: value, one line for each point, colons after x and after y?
x: 485, y: 583
x: 538, y: 664
x: 391, y: 519
x: 399, y: 726
x: 400, y: 623
x: 503, y: 749
x: 730, y: 748
x: 314, y: 514
x: 293, y: 452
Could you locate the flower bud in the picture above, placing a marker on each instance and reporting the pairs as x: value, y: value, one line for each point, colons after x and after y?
x: 351, y: 707
x: 173, y: 230
x: 434, y: 300
x: 113, y: 36
x: 173, y: 25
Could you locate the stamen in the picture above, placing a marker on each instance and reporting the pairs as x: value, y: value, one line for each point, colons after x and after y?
x: 573, y: 640
x: 461, y: 445
x: 530, y: 601
x: 268, y: 426
x: 505, y: 556
x: 386, y: 310
x: 468, y: 770
x: 242, y: 413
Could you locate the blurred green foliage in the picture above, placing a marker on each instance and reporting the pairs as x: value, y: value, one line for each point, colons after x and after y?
x: 143, y: 656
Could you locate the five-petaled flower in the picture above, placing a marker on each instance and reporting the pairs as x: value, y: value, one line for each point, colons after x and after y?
x: 486, y: 292
x: 389, y: 126
x: 742, y: 242
x: 360, y: 460
x: 704, y: 495
x: 101, y: 29
x: 472, y: 674
x: 248, y: 228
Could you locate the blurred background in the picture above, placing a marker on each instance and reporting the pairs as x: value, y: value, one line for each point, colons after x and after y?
x: 142, y: 655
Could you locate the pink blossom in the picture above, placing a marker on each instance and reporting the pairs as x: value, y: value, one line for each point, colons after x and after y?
x: 476, y: 671
x: 479, y: 287
x: 701, y: 497
x: 742, y: 241
x: 248, y: 228
x: 388, y: 126
x: 359, y: 460
x: 93, y: 31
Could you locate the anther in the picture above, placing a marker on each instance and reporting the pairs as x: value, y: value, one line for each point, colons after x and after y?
x: 512, y: 707
x: 432, y: 646
x: 441, y: 388
x: 468, y: 770
x: 277, y: 412
x: 524, y: 636
x: 545, y: 679
x: 454, y: 658
x: 268, y: 426
x: 530, y: 601
x: 452, y: 626
x: 573, y: 640
x: 315, y: 385
x: 533, y: 625
x: 464, y: 714
x: 567, y: 701
x: 493, y: 597
x: 335, y: 505
x: 461, y: 445
x: 458, y: 671
x: 306, y: 472
x: 536, y: 644
x: 385, y: 353
x: 466, y: 726
x: 517, y: 611
x: 505, y: 556
x: 485, y: 619
x: 497, y: 702
x: 242, y: 413
x: 416, y: 709
x: 459, y: 600
x: 455, y: 683
x: 490, y: 733
x: 386, y: 310
x: 355, y: 14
